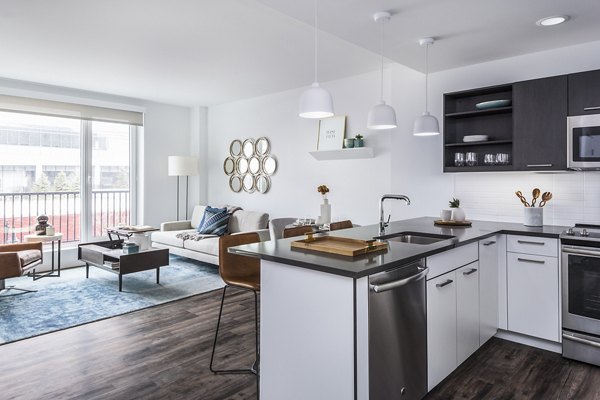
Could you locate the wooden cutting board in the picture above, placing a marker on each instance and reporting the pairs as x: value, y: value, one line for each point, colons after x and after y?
x: 339, y: 245
x: 452, y: 223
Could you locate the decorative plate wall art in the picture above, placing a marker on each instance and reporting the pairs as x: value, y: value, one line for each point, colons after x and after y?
x: 249, y: 165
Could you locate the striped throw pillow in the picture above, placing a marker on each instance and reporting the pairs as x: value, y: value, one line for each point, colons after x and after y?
x: 214, y: 221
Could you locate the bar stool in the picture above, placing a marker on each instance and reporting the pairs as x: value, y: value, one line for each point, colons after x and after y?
x: 243, y: 273
x: 296, y: 231
x: 334, y: 226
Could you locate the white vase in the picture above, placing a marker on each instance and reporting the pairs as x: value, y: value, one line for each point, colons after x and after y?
x: 325, y: 212
x: 458, y: 214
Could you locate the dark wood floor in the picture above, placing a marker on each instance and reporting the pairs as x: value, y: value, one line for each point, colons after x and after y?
x: 159, y: 353
x: 505, y: 370
x: 163, y: 353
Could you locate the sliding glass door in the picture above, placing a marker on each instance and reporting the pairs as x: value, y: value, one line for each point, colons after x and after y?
x: 76, y: 172
x: 110, y: 173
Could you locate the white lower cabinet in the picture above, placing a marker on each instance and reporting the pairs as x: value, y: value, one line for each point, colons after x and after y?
x: 467, y: 311
x: 441, y: 328
x: 452, y: 321
x: 489, y: 272
x: 533, y: 293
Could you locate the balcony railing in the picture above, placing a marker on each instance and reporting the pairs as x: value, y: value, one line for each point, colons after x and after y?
x: 19, y: 212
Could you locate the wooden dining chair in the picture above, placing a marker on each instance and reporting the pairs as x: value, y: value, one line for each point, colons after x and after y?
x: 296, y: 231
x: 334, y: 226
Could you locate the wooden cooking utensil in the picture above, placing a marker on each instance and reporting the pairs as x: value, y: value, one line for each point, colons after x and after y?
x: 522, y: 198
x: 536, y: 193
x: 546, y: 197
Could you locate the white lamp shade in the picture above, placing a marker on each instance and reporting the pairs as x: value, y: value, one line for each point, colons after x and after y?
x: 381, y: 116
x: 426, y: 125
x: 183, y: 166
x: 316, y: 102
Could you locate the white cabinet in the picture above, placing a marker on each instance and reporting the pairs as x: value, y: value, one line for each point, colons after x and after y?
x: 441, y: 328
x: 488, y: 288
x: 467, y: 311
x: 533, y: 293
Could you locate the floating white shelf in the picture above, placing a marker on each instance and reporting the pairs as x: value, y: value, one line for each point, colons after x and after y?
x: 343, y: 154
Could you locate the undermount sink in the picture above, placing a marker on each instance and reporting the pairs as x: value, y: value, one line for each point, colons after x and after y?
x: 415, y: 237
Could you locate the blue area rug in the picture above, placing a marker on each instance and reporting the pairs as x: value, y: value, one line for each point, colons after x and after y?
x: 72, y: 299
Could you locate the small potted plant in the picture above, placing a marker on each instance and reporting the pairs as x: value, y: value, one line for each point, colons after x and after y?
x: 458, y: 214
x: 358, y: 141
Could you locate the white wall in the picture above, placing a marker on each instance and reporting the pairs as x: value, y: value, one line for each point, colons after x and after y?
x: 199, y: 148
x: 491, y: 195
x: 355, y: 185
x: 166, y: 133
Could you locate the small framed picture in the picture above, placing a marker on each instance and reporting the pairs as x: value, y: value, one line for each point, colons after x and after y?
x: 331, y: 133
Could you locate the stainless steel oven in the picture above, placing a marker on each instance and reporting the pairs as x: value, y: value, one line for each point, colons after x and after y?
x: 581, y: 294
x: 583, y: 142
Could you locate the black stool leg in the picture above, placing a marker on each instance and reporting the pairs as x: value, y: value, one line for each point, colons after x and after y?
x: 212, y: 356
x: 256, y: 366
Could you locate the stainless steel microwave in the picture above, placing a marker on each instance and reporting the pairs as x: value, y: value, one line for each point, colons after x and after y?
x: 583, y: 142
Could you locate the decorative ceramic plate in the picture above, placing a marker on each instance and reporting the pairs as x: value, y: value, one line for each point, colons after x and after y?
x: 493, y: 104
x: 475, y: 138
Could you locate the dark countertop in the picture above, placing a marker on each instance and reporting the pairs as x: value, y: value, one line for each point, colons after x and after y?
x: 397, y: 254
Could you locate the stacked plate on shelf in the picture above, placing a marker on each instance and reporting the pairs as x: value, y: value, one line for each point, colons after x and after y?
x: 486, y: 105
x: 475, y: 138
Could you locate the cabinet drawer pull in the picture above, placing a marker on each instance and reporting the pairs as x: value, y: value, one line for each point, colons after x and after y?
x: 471, y: 271
x: 445, y: 283
x: 531, y: 261
x: 539, y: 165
x: 530, y: 242
x: 491, y: 242
x: 591, y: 108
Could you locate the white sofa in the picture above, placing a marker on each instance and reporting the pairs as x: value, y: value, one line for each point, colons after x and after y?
x: 207, y: 249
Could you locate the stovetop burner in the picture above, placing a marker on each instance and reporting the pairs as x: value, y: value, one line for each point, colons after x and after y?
x: 586, y: 232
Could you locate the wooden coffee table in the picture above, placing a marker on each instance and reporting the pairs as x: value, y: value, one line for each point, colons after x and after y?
x: 103, y: 254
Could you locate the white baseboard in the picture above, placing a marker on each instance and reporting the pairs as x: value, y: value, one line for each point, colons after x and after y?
x: 530, y: 341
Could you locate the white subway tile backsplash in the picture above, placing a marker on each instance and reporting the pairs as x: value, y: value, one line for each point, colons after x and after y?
x: 576, y: 196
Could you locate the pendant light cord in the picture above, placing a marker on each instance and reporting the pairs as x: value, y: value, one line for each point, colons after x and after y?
x: 316, y: 53
x: 426, y: 75
x: 381, y: 86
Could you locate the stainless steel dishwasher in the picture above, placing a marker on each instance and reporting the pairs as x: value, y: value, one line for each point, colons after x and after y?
x: 398, y: 333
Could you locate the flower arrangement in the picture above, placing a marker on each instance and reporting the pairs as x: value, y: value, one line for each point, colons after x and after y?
x: 454, y: 203
x: 323, y: 189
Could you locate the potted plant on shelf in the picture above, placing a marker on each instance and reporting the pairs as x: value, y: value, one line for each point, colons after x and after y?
x: 358, y: 141
x: 458, y: 214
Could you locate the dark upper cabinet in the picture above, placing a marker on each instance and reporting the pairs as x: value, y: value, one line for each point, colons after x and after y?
x: 540, y: 124
x: 584, y: 93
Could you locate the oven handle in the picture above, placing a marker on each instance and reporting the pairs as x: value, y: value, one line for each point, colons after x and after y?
x: 577, y: 339
x: 580, y: 251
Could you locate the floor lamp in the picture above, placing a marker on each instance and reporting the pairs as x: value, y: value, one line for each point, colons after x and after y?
x: 183, y: 166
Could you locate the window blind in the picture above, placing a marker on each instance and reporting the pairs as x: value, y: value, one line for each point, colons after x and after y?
x: 69, y: 110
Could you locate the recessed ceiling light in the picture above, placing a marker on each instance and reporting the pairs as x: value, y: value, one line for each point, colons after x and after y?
x: 554, y: 20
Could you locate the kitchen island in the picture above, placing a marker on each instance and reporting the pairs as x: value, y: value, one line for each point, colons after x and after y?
x: 315, y: 306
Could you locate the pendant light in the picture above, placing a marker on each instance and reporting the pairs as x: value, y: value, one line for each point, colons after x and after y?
x: 381, y: 116
x: 316, y: 102
x: 426, y: 124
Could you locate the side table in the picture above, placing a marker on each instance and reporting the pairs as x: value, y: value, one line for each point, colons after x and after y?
x: 57, y: 237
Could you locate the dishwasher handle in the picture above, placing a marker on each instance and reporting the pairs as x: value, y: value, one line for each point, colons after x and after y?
x: 396, y: 284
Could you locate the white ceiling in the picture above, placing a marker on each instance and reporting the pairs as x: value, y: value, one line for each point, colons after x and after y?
x: 205, y: 52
